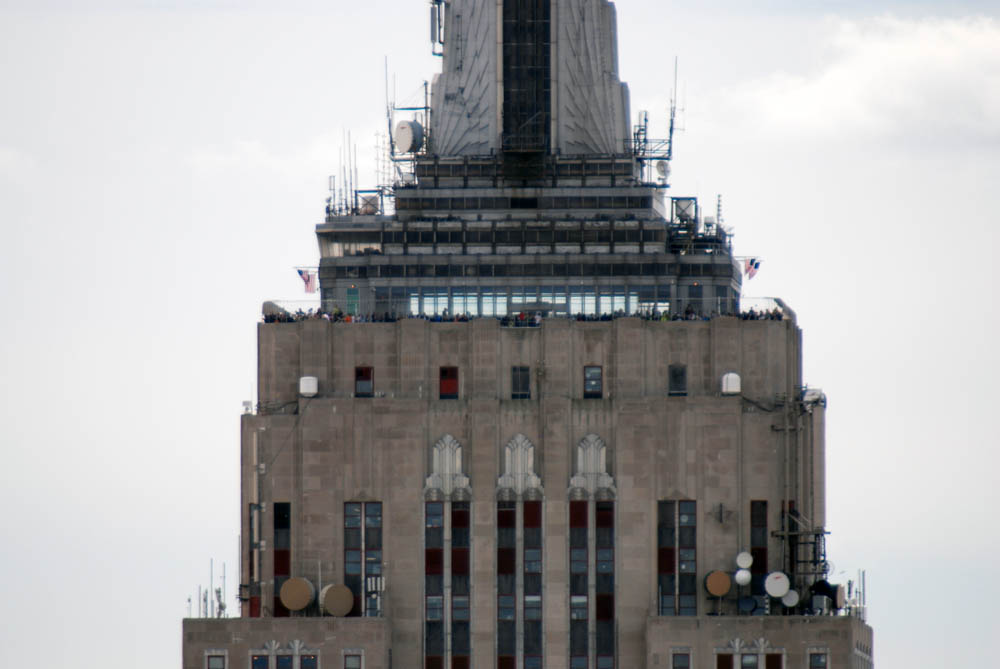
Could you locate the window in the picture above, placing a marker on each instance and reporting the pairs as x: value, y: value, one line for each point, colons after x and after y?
x: 605, y: 584
x: 593, y: 384
x: 520, y: 383
x: 308, y: 662
x: 258, y: 662
x: 677, y: 557
x: 216, y: 662
x: 758, y: 545
x: 817, y: 661
x: 282, y: 553
x: 363, y: 556
x: 681, y: 661
x: 363, y: 383
x: 678, y: 381
x: 283, y: 662
x: 773, y: 661
x: 749, y: 662
x: 506, y: 584
x: 352, y: 662
x: 449, y: 383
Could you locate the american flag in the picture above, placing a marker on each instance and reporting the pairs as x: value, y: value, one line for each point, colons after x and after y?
x: 309, y: 278
x: 752, y: 265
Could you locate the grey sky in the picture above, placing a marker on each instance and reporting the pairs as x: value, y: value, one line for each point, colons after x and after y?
x: 162, y: 165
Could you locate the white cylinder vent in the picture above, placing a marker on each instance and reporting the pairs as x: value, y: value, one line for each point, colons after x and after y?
x: 731, y: 384
x: 308, y: 386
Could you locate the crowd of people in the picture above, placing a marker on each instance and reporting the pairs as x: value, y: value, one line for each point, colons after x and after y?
x: 520, y: 319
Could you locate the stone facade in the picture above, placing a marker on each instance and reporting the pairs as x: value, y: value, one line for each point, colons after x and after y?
x: 641, y: 442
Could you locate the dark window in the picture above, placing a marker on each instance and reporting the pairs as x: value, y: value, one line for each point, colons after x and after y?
x: 520, y: 383
x: 773, y: 661
x: 308, y: 662
x: 352, y: 662
x: 676, y: 558
x: 364, y: 385
x: 749, y: 662
x: 282, y: 553
x: 284, y: 662
x: 363, y: 556
x: 724, y: 662
x: 216, y: 662
x: 817, y: 660
x: 678, y: 381
x: 593, y: 384
x: 758, y: 545
x: 681, y: 661
x: 449, y: 383
x: 259, y: 662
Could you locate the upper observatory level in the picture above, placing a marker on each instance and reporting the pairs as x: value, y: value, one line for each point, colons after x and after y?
x: 537, y: 76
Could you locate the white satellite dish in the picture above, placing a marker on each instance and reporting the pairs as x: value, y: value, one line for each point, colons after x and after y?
x: 409, y: 136
x: 790, y: 599
x: 662, y: 168
x: 744, y: 560
x: 743, y: 577
x: 777, y: 584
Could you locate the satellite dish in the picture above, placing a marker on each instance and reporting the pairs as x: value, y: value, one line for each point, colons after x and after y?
x: 746, y: 604
x: 777, y: 584
x: 409, y: 136
x: 743, y: 577
x: 718, y: 583
x: 791, y: 599
x: 662, y: 168
x: 297, y: 594
x: 744, y: 560
x: 337, y: 600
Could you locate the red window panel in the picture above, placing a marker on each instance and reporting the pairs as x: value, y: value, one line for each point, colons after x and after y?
x: 772, y: 661
x: 434, y: 662
x: 533, y: 514
x: 759, y: 565
x: 460, y: 518
x: 506, y: 560
x: 255, y: 607
x: 507, y: 518
x: 605, y: 516
x: 449, y: 383
x: 723, y: 662
x: 665, y: 561
x: 605, y: 607
x: 506, y: 662
x: 460, y: 662
x: 578, y: 514
x: 460, y: 560
x: 282, y: 563
x: 434, y: 561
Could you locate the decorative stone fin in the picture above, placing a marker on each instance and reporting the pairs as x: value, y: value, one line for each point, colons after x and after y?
x: 592, y: 467
x: 446, y: 468
x: 519, y: 467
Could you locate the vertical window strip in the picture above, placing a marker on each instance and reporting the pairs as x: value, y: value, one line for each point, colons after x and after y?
x: 758, y: 545
x: 687, y: 585
x: 676, y: 539
x: 434, y: 585
x: 579, y: 584
x: 506, y: 585
x: 532, y: 580
x: 666, y: 559
x: 282, y: 553
x: 605, y: 585
x: 373, y: 559
x: 460, y: 592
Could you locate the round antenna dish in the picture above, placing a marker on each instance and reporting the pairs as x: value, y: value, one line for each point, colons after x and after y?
x: 746, y: 604
x: 718, y: 583
x: 744, y: 560
x: 337, y: 600
x: 662, y: 168
x: 791, y: 599
x: 777, y: 584
x: 409, y: 136
x: 743, y: 577
x: 297, y: 594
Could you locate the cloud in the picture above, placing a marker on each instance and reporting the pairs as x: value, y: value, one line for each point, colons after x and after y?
x: 17, y: 167
x: 929, y: 80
